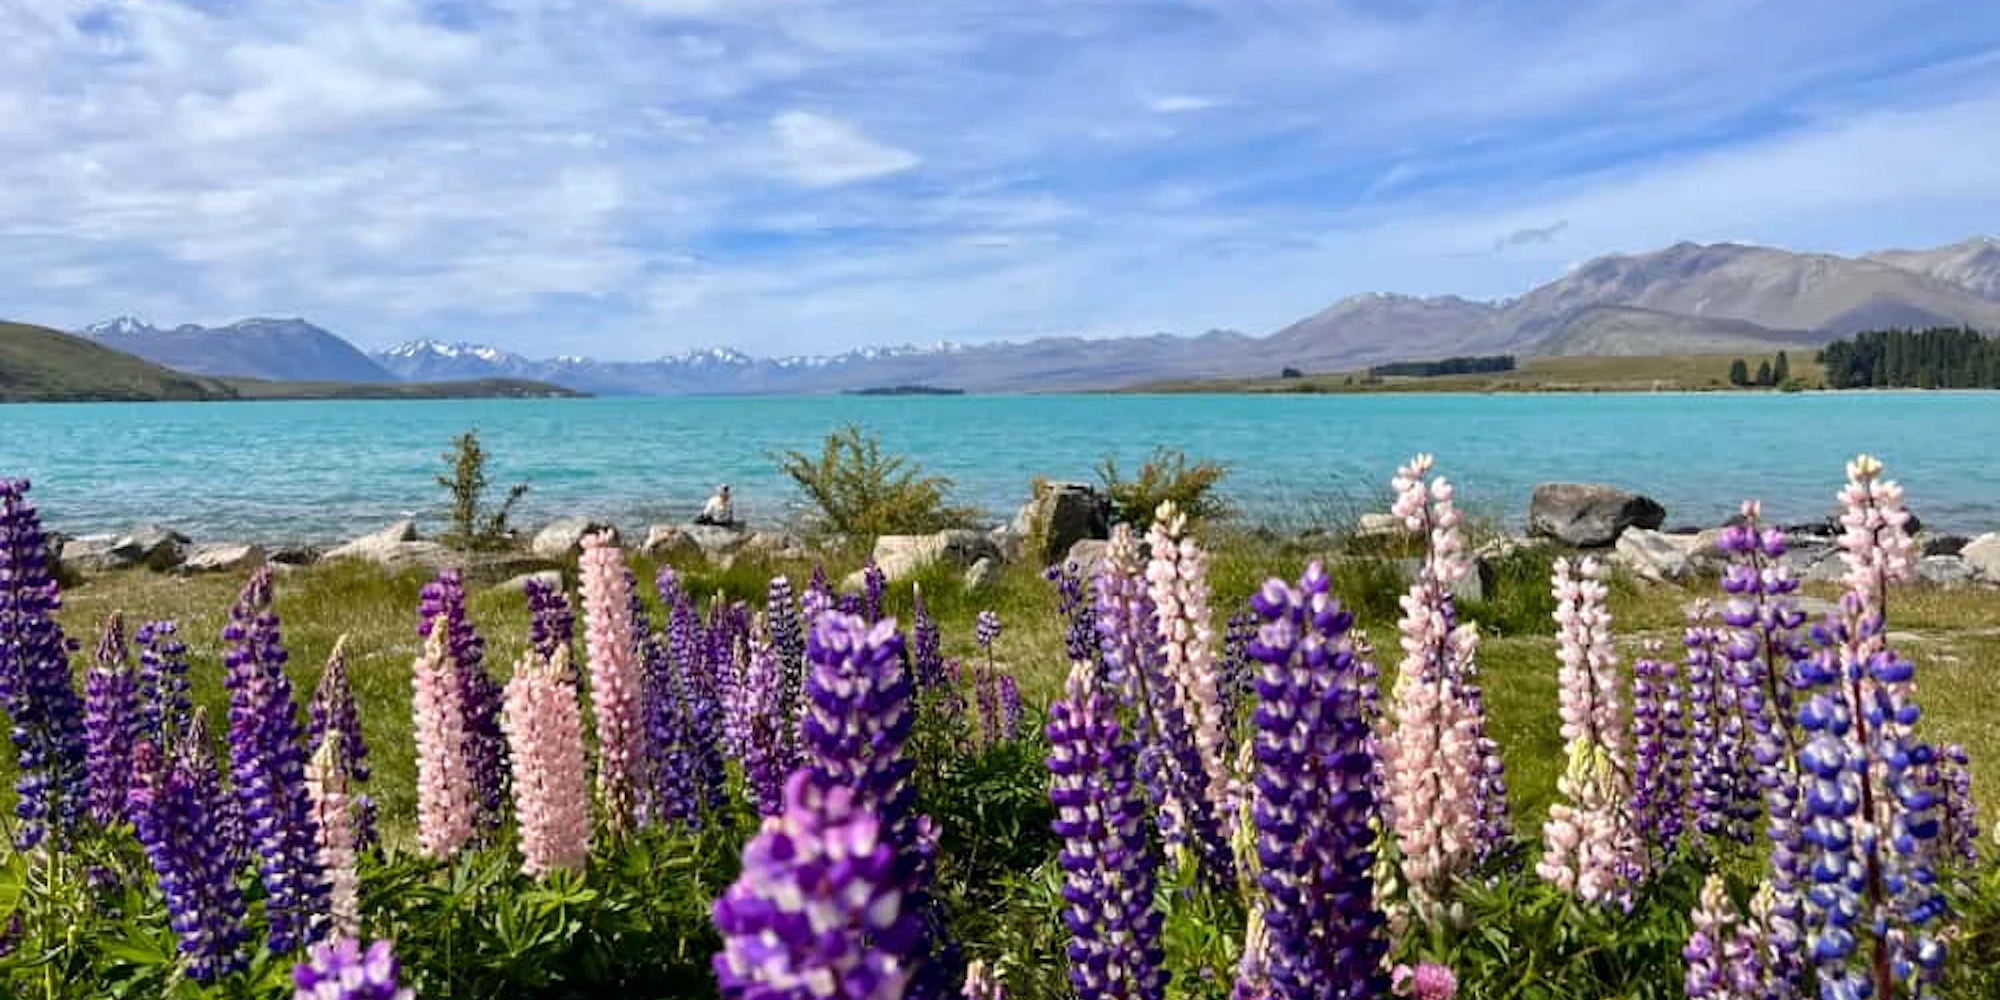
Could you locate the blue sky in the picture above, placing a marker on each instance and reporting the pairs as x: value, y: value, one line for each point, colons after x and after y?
x: 632, y: 178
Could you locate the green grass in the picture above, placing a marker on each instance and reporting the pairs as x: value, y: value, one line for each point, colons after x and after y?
x: 1952, y: 635
x: 1665, y: 373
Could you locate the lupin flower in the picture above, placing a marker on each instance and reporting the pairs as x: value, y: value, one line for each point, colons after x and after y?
x: 267, y: 763
x: 819, y: 910
x: 551, y: 622
x: 1875, y: 889
x: 444, y: 780
x: 111, y: 724
x: 332, y: 710
x: 1443, y: 783
x: 699, y: 687
x: 941, y: 696
x: 1959, y: 835
x: 163, y: 683
x: 175, y: 804
x: 341, y: 970
x: 1591, y: 850
x: 1659, y: 754
x: 1719, y: 774
x: 771, y: 745
x: 1313, y: 810
x: 544, y: 728
x: 788, y: 642
x: 443, y: 600
x: 873, y: 583
x: 1235, y: 676
x: 986, y: 691
x: 1427, y: 981
x: 1724, y: 953
x: 337, y: 816
x: 982, y: 983
x: 1107, y: 860
x: 986, y: 630
x: 1489, y: 785
x: 614, y: 677
x: 1010, y: 708
x: 50, y: 783
x: 1177, y: 583
x: 1072, y: 603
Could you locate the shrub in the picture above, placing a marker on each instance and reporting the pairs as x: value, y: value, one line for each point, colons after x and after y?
x: 472, y: 525
x: 1165, y: 476
x: 859, y: 492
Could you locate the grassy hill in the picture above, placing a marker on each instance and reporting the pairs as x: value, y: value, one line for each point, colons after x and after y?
x: 1665, y: 373
x: 40, y: 365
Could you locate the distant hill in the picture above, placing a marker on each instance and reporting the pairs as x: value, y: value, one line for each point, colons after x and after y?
x: 280, y: 349
x: 38, y: 364
x: 1628, y: 331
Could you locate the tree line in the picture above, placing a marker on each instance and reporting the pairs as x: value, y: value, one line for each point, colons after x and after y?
x: 1769, y: 373
x: 1937, y: 358
x: 1447, y: 366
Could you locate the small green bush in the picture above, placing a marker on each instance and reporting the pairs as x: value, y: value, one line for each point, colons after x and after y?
x: 1167, y: 475
x: 859, y: 492
x: 472, y: 525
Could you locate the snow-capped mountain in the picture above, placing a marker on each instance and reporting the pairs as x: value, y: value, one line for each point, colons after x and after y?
x: 284, y: 349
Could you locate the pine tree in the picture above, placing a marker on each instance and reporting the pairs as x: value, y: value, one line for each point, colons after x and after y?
x: 1782, y: 371
x: 1739, y: 372
x: 1764, y: 373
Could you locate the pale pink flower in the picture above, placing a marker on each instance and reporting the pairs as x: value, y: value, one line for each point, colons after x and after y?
x: 337, y: 825
x: 444, y: 783
x: 614, y: 676
x: 544, y: 730
x: 1177, y: 581
x: 1591, y: 846
x: 1875, y: 543
x: 1430, y: 759
x: 1428, y: 981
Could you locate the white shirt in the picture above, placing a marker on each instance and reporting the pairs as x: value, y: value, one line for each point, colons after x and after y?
x: 719, y: 509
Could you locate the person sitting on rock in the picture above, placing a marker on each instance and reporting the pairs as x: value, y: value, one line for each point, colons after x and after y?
x: 719, y: 510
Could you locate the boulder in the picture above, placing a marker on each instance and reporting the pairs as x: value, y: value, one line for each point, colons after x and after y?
x: 1376, y: 524
x: 375, y: 545
x: 775, y: 545
x: 1944, y: 545
x: 903, y: 556
x: 1086, y: 554
x: 983, y: 573
x: 1944, y: 571
x: 563, y: 538
x: 669, y: 543
x: 151, y: 546
x: 1061, y: 515
x: 293, y: 555
x: 88, y: 554
x: 551, y: 577
x: 1589, y: 515
x: 716, y: 541
x: 1656, y: 556
x: 223, y: 557
x: 1982, y: 556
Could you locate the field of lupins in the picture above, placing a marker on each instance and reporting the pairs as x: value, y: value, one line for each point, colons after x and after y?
x: 807, y: 800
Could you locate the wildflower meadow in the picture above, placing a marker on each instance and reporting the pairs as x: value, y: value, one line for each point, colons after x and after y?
x: 676, y: 793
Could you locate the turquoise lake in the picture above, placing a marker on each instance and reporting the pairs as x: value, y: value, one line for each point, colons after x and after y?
x: 317, y: 471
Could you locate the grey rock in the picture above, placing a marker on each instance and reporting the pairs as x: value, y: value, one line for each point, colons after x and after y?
x: 1086, y: 554
x: 715, y: 540
x: 551, y: 577
x: 1982, y: 556
x: 1589, y: 515
x: 1061, y: 515
x: 983, y: 573
x: 1944, y: 571
x: 1656, y: 556
x: 293, y: 555
x: 669, y: 543
x: 902, y: 556
x: 1376, y: 524
x: 1944, y: 545
x: 223, y: 557
x: 775, y: 545
x: 563, y: 538
x: 375, y: 545
x: 88, y: 554
x: 151, y: 546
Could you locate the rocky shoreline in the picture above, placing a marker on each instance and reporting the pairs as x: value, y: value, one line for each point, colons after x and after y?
x: 1065, y: 522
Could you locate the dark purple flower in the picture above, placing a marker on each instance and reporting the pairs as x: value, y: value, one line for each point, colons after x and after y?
x: 341, y: 970
x: 1108, y: 861
x: 1325, y: 937
x: 484, y: 742
x: 820, y: 909
x: 1010, y: 708
x: 36, y: 689
x: 110, y: 724
x: 700, y: 687
x: 267, y: 765
x: 788, y: 642
x: 551, y: 620
x: 1959, y: 834
x: 163, y: 683
x: 874, y: 583
x: 818, y: 598
x: 769, y: 745
x: 175, y: 804
x: 1080, y: 640
x: 986, y: 629
x: 1235, y: 675
x: 1722, y: 782
x: 332, y: 709
x: 1659, y: 756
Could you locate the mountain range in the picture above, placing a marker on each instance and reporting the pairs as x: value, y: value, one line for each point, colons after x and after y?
x: 1685, y: 299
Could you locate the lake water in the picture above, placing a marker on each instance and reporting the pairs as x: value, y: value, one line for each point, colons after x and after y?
x: 317, y: 471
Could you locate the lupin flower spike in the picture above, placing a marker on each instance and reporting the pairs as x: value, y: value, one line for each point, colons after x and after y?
x: 544, y: 729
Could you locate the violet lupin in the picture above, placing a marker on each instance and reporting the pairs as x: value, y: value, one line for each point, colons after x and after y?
x: 1724, y: 953
x: 551, y: 621
x: 1313, y: 810
x: 332, y: 710
x: 1875, y: 891
x: 1590, y: 850
x: 1010, y: 707
x: 110, y: 724
x: 443, y: 599
x: 770, y: 744
x: 163, y: 685
x: 36, y: 692
x: 1107, y: 859
x: 787, y: 638
x: 700, y: 691
x: 1958, y: 837
x: 267, y: 765
x: 819, y: 910
x: 341, y: 970
x: 874, y: 582
x: 175, y: 804
x: 1719, y: 772
x: 1659, y: 755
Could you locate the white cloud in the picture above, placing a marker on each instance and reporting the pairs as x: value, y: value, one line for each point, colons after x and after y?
x: 1174, y: 104
x: 821, y: 151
